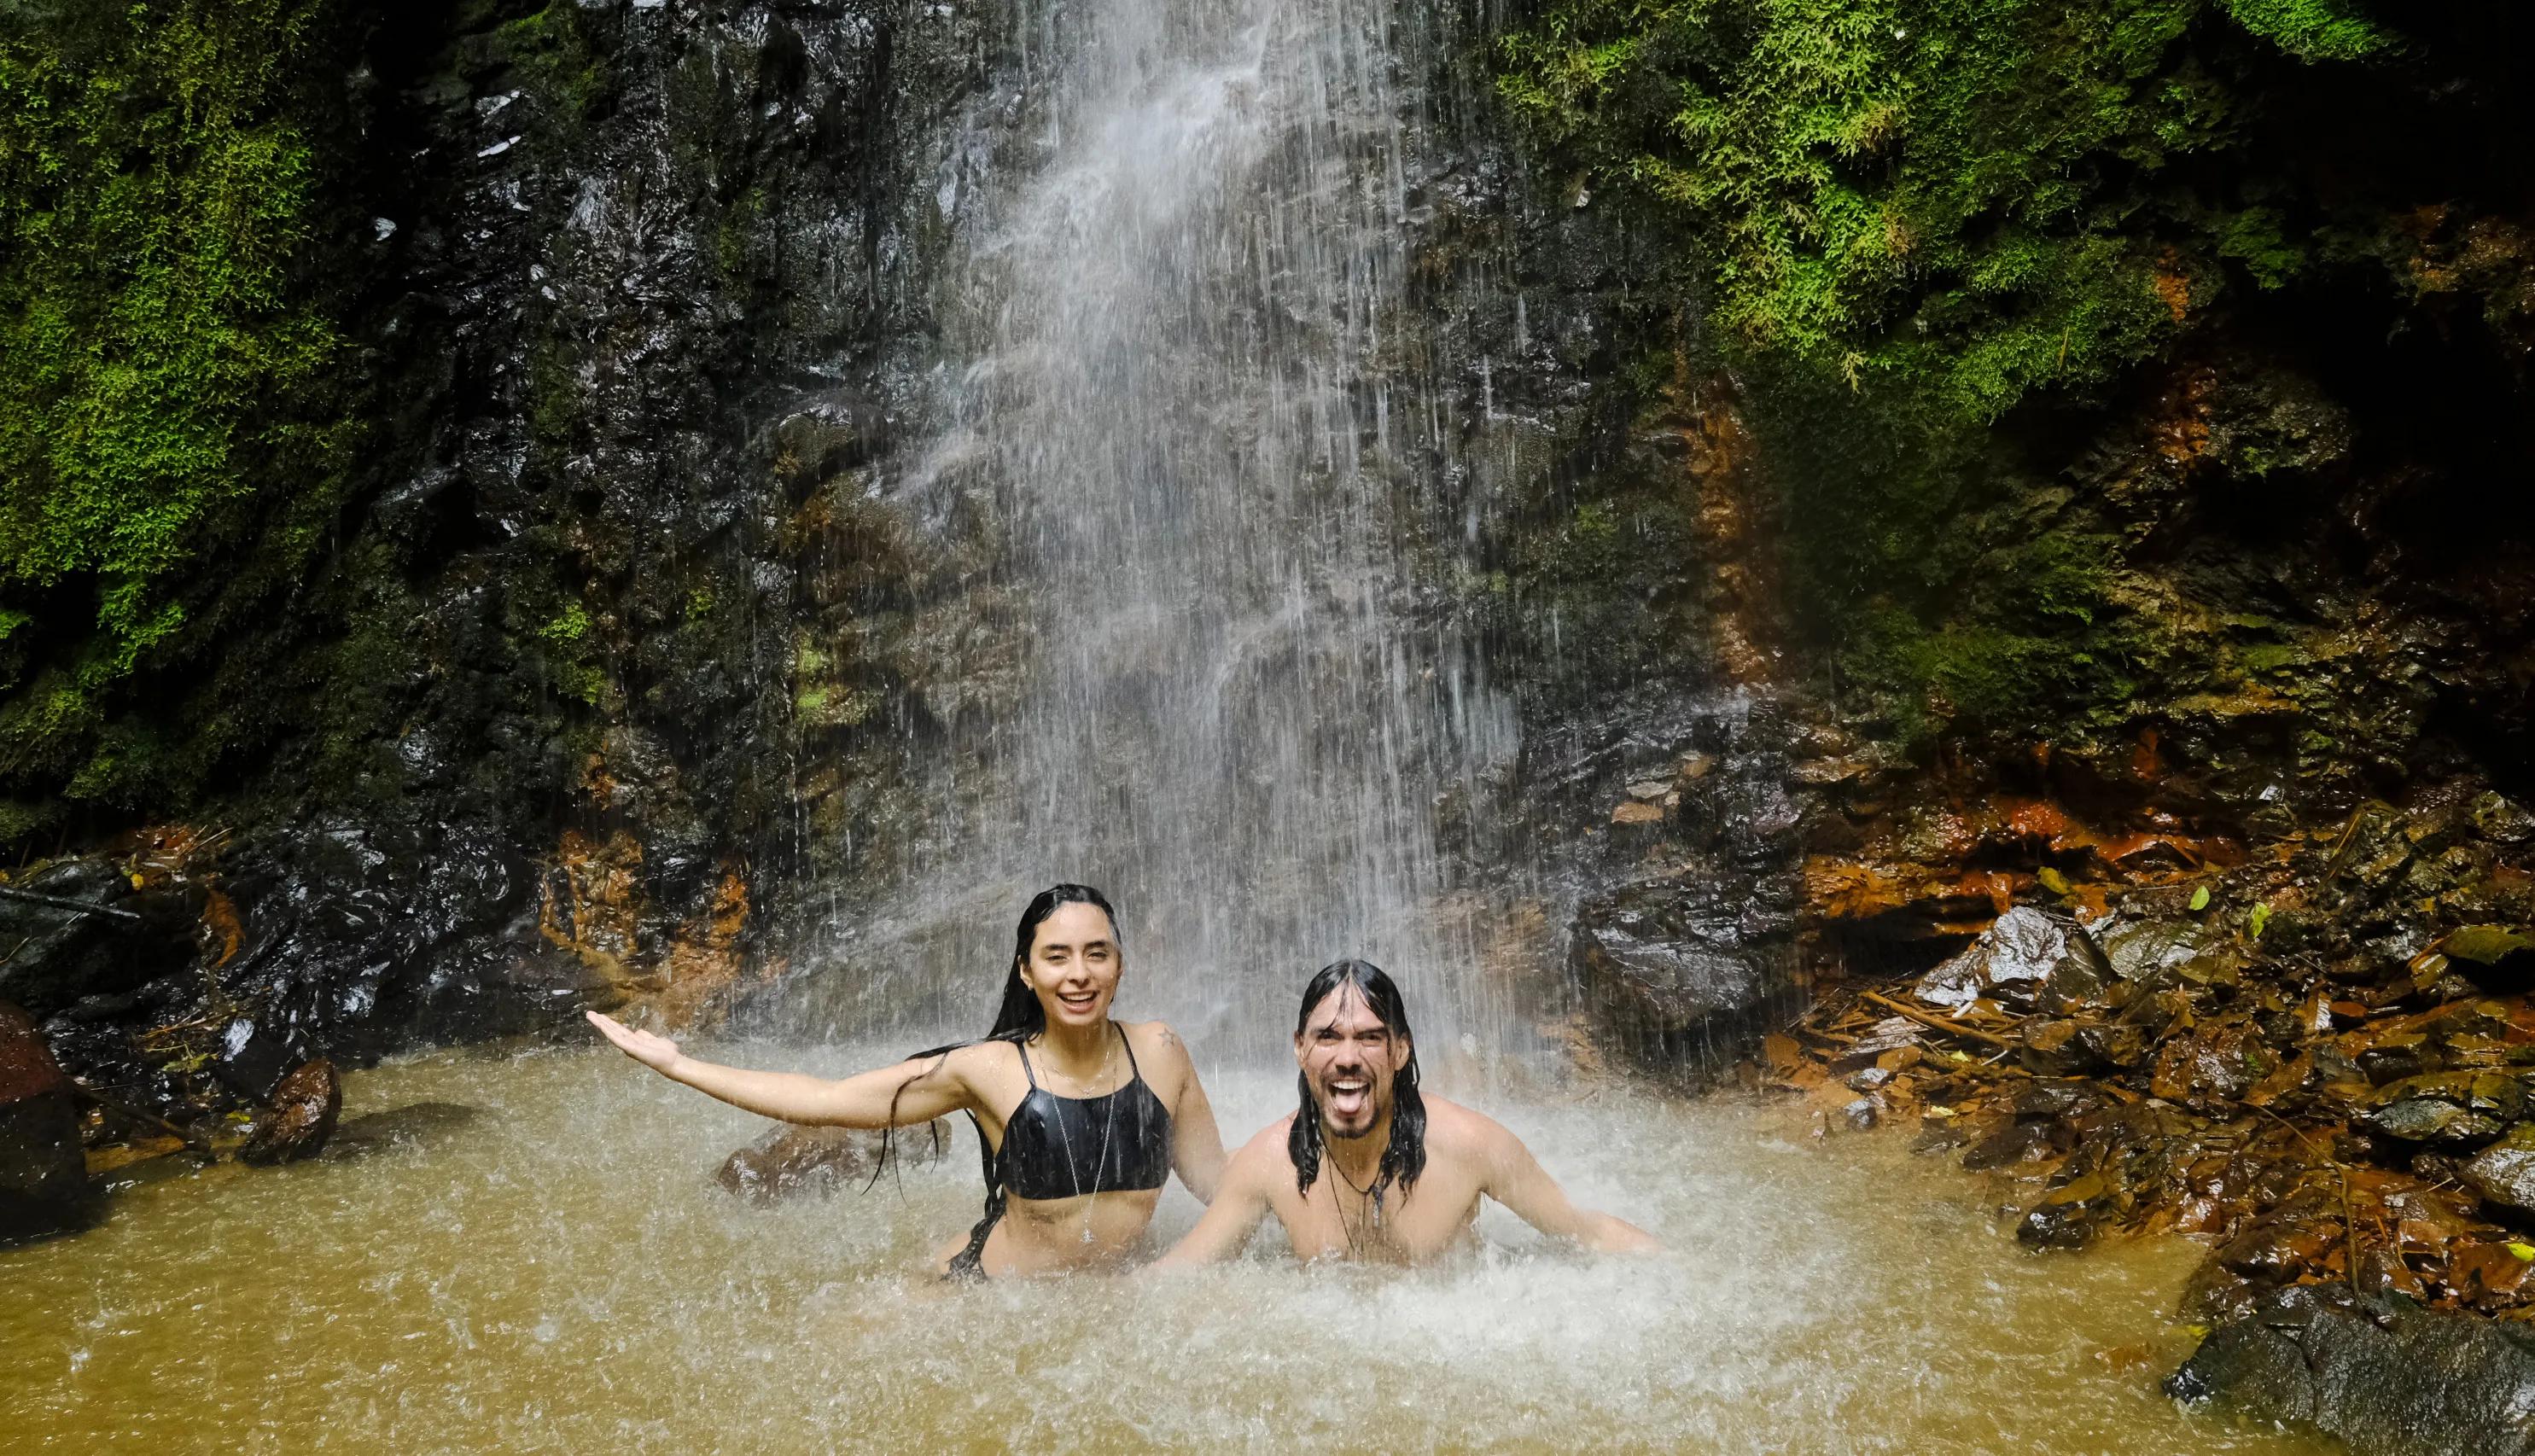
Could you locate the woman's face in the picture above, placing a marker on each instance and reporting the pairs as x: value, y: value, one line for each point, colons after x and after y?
x: 1074, y: 965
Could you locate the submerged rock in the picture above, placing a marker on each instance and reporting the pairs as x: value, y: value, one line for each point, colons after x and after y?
x: 43, y: 1175
x: 791, y: 1161
x: 304, y: 1109
x: 2380, y: 1373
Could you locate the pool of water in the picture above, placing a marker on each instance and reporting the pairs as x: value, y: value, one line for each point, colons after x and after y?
x: 558, y: 1271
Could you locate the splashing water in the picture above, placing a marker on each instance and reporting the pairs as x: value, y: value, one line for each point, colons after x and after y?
x: 560, y: 1272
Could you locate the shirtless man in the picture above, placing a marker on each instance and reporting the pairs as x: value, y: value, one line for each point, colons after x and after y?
x: 1409, y: 1171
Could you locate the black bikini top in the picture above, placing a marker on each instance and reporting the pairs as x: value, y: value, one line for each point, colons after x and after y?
x: 1062, y: 1147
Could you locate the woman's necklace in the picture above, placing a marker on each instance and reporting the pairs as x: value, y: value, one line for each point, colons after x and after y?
x: 1108, y: 1125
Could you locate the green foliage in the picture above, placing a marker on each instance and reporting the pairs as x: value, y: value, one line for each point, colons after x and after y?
x: 1911, y: 220
x: 162, y: 360
x: 2313, y: 30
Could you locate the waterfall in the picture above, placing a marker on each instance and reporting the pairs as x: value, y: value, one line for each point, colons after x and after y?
x: 1231, y: 493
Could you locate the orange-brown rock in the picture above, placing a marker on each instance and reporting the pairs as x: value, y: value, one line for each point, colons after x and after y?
x: 302, y: 1117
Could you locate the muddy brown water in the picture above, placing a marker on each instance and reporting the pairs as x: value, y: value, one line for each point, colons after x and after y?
x: 558, y: 1271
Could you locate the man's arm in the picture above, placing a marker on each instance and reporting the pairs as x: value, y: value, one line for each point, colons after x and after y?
x: 1515, y: 1179
x: 1240, y: 1203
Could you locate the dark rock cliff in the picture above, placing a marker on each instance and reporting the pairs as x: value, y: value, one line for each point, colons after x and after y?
x: 621, y: 293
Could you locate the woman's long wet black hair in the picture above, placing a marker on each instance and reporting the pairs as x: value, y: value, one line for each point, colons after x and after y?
x: 1405, y: 1158
x: 1019, y: 1019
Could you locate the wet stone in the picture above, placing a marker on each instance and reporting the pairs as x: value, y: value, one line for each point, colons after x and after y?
x: 2066, y: 1215
x: 2142, y: 949
x: 2056, y: 1100
x: 2021, y: 1142
x: 2447, y: 1107
x: 2024, y: 949
x: 304, y: 1109
x: 2382, y: 1373
x: 2504, y: 1173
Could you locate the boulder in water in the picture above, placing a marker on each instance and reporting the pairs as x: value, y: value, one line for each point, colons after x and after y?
x: 2382, y: 1373
x: 304, y: 1109
x: 791, y: 1160
x: 43, y: 1173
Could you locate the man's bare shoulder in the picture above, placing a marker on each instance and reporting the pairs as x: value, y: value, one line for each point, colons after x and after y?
x: 1263, y: 1161
x: 1454, y: 1129
x: 1268, y: 1145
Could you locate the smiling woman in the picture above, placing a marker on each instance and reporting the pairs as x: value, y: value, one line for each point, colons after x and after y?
x: 1078, y: 1170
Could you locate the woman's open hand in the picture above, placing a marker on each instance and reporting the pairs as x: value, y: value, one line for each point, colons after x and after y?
x: 652, y: 1050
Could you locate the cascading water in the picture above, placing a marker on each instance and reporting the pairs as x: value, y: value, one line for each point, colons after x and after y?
x: 1169, y: 363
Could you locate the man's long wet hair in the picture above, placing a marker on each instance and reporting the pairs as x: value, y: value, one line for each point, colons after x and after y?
x: 1405, y: 1158
x: 1019, y: 1019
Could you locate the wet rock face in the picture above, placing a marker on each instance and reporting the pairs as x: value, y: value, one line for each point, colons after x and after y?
x: 304, y: 1109
x: 43, y: 1173
x: 63, y: 952
x: 1684, y: 967
x: 327, y: 937
x: 1668, y: 962
x: 2382, y: 1374
x: 636, y: 295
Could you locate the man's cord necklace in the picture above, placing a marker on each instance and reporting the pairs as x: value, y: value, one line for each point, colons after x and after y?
x: 1371, y: 1206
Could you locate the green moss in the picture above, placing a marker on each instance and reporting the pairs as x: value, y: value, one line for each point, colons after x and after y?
x: 569, y: 626
x: 167, y: 432
x: 1911, y: 222
x: 553, y: 56
x: 2313, y: 30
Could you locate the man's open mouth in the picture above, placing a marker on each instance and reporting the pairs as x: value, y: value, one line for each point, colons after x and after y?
x: 1347, y: 1095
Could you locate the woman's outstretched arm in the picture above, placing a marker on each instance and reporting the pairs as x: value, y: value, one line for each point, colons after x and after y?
x: 922, y: 1089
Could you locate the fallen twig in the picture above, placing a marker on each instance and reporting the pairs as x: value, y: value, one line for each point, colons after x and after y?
x: 1940, y: 1023
x: 194, y: 1141
x: 64, y: 902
